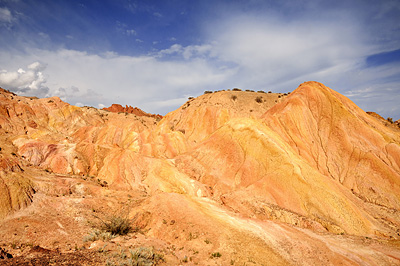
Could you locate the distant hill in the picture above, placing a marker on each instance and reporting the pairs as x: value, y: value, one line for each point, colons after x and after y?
x: 117, y: 108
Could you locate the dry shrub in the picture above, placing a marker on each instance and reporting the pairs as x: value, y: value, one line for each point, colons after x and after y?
x: 117, y: 225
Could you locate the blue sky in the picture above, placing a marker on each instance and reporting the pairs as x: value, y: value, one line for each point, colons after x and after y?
x: 155, y: 54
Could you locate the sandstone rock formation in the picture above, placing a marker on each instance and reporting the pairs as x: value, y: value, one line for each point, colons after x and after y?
x: 117, y: 108
x: 305, y: 178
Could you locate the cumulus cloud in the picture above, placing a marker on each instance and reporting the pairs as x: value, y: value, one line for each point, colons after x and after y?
x: 144, y: 81
x: 174, y: 49
x: 27, y: 82
x: 66, y: 94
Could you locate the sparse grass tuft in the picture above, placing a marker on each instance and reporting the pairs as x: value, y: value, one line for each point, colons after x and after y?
x: 117, y: 225
x: 144, y: 256
x: 110, y: 263
x: 192, y: 236
x: 98, y: 235
x: 215, y: 255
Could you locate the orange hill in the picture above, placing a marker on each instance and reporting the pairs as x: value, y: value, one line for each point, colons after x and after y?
x: 305, y: 178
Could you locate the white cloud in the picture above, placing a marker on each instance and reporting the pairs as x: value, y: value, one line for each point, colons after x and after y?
x: 197, y: 51
x: 188, y: 52
x: 79, y: 77
x: 279, y: 54
x: 131, y: 32
x: 272, y: 50
x: 5, y: 15
x: 270, y: 53
x: 174, y: 49
x: 359, y: 92
x: 123, y: 28
x: 27, y: 82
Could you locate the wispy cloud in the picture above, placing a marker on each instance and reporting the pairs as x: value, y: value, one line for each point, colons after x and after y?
x: 124, y: 29
x: 188, y: 52
x: 5, y: 15
x: 130, y: 32
x: 273, y: 50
